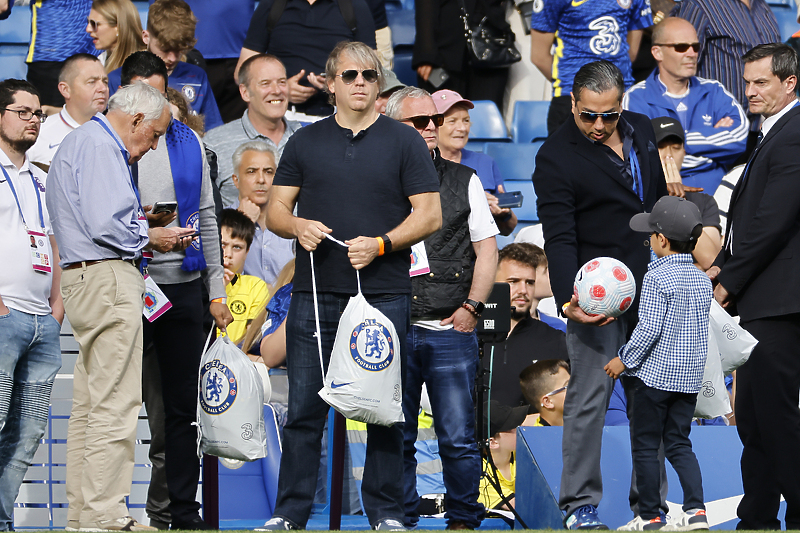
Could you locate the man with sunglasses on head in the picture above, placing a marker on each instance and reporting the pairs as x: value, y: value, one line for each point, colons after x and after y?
x: 447, y: 303
x: 715, y: 124
x: 355, y: 177
x: 598, y: 170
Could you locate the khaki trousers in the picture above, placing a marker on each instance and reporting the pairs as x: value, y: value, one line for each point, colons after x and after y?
x: 104, y: 306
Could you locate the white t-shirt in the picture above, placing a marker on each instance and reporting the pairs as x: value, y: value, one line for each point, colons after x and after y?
x: 481, y: 226
x: 53, y: 131
x: 21, y: 287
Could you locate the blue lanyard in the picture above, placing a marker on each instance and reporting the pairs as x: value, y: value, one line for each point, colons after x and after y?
x: 125, y: 157
x: 35, y: 190
x: 636, y: 174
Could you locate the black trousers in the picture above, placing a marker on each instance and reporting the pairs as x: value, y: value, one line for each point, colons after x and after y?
x: 44, y: 76
x: 768, y: 422
x: 560, y: 111
x: 662, y: 416
x: 225, y: 89
x: 178, y: 339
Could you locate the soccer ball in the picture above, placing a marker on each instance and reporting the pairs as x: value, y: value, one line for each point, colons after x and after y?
x: 605, y: 286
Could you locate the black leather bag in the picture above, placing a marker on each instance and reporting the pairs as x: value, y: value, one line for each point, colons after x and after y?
x: 487, y: 46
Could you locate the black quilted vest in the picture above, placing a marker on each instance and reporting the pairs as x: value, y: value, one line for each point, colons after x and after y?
x: 452, y: 258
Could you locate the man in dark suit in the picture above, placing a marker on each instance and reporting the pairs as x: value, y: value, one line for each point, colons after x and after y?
x: 592, y: 175
x: 759, y: 277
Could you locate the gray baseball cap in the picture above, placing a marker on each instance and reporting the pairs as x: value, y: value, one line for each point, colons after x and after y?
x: 674, y: 217
x: 390, y: 82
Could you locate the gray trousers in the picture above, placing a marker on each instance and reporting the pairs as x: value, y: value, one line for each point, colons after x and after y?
x: 590, y: 348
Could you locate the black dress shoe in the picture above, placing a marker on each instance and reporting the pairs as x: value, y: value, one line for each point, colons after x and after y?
x: 195, y: 524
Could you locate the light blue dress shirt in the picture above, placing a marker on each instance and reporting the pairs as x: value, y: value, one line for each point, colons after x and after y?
x: 93, y: 205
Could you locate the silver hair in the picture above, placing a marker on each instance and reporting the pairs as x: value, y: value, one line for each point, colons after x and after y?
x: 251, y: 146
x: 139, y: 97
x: 394, y: 107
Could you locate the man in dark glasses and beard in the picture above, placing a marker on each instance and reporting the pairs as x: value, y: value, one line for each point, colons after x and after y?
x: 593, y: 174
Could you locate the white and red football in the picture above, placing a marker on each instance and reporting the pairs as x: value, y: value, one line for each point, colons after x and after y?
x: 605, y: 286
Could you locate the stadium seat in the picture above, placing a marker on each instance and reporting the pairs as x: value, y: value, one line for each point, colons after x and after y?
x: 787, y: 21
x: 487, y: 122
x: 476, y: 146
x: 17, y: 27
x: 403, y: 27
x: 258, y: 480
x: 529, y: 122
x: 526, y: 213
x: 12, y: 65
x: 142, y: 7
x: 402, y: 67
x: 774, y: 3
x: 515, y: 161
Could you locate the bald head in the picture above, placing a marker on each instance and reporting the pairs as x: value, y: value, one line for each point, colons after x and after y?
x: 674, y: 30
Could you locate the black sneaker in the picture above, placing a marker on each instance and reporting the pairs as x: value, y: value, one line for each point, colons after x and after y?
x: 195, y: 524
x: 276, y: 523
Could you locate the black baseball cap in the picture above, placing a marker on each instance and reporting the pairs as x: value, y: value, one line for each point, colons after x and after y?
x: 502, y: 417
x: 668, y: 127
x: 674, y: 217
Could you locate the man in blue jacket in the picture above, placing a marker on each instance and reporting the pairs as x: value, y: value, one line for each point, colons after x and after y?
x: 716, y: 125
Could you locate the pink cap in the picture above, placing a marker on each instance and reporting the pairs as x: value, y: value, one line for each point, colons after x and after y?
x: 445, y: 99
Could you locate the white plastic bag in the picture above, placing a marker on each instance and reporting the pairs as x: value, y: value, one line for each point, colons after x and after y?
x: 713, y: 399
x: 734, y: 342
x: 364, y: 379
x: 230, y: 410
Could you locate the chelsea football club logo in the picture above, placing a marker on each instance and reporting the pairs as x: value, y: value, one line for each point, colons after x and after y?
x: 372, y: 346
x: 194, y: 222
x: 217, y: 388
x: 189, y: 92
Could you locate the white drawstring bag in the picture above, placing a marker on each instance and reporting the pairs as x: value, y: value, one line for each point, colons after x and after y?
x: 230, y: 410
x: 713, y: 399
x: 364, y: 379
x: 735, y: 343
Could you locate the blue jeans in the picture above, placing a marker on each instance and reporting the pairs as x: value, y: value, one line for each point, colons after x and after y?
x: 448, y: 362
x: 30, y: 357
x: 382, y: 489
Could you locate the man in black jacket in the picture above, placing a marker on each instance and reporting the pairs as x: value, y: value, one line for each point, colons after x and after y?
x: 758, y: 277
x: 592, y: 175
x: 446, y: 304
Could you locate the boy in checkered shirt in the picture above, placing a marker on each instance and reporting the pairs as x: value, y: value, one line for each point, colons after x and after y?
x: 662, y: 364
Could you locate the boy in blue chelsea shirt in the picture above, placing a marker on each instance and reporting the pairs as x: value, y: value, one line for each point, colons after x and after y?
x: 663, y: 362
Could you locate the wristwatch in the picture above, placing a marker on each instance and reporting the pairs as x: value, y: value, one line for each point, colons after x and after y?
x: 477, y: 306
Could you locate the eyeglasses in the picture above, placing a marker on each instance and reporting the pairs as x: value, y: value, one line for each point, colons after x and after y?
x: 94, y: 24
x: 421, y: 122
x: 26, y: 115
x: 591, y: 118
x: 370, y: 75
x: 682, y: 47
x: 552, y: 393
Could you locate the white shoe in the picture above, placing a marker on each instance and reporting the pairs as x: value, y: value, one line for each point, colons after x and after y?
x: 126, y: 523
x: 689, y: 521
x: 640, y: 524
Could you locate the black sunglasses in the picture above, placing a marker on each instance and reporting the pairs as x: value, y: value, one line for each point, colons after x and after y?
x: 682, y: 47
x: 370, y: 75
x: 586, y: 116
x: 421, y: 122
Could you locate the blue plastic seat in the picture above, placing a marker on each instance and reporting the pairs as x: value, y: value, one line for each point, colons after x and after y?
x: 774, y: 3
x: 402, y: 68
x: 787, y: 21
x: 527, y: 213
x: 12, y: 65
x: 515, y: 161
x: 250, y: 491
x: 487, y: 122
x: 404, y: 29
x: 16, y: 29
x: 529, y: 121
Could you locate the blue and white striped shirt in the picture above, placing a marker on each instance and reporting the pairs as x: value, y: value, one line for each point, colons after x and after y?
x: 727, y: 29
x: 668, y: 347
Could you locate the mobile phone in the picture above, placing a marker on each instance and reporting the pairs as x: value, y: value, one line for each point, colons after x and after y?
x: 438, y: 76
x: 164, y: 207
x: 509, y: 199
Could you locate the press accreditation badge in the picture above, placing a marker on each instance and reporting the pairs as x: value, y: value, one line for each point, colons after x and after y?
x: 40, y: 252
x: 419, y: 260
x: 156, y: 302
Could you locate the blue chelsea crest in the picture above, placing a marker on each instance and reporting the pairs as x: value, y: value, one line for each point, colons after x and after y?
x: 372, y: 346
x: 217, y: 387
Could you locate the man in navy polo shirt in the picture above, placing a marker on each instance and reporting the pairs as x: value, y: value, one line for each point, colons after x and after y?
x: 354, y: 176
x: 302, y: 38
